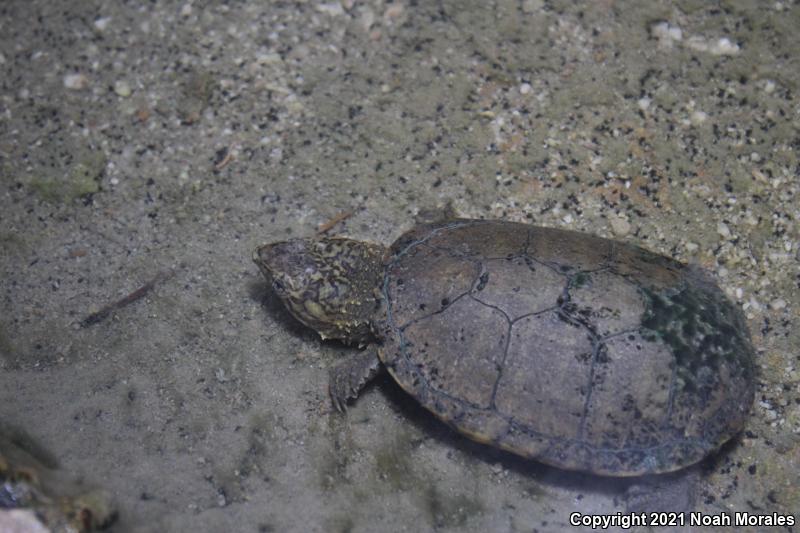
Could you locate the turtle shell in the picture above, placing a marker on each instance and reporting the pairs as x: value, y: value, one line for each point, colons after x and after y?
x: 577, y: 351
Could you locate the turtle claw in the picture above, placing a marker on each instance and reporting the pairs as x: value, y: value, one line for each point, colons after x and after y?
x: 340, y: 406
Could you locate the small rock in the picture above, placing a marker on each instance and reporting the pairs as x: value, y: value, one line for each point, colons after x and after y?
x: 525, y: 88
x: 698, y: 117
x: 367, y: 19
x: 529, y: 6
x: 268, y: 58
x: 721, y: 47
x: 666, y: 33
x: 724, y: 47
x: 777, y: 304
x: 76, y: 82
x: 102, y: 23
x: 723, y: 230
x: 333, y: 8
x: 620, y: 226
x: 21, y: 521
x: 122, y: 88
x: 393, y: 12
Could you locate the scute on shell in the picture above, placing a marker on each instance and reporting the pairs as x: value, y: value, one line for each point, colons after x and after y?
x: 580, y: 352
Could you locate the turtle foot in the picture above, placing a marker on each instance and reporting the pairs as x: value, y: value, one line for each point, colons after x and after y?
x: 348, y: 378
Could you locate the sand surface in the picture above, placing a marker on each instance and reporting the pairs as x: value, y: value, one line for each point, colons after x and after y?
x: 146, y: 148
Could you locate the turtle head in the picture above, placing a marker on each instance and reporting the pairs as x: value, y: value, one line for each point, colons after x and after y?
x: 330, y: 285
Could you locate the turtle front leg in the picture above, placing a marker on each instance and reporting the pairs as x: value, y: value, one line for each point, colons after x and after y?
x: 348, y: 378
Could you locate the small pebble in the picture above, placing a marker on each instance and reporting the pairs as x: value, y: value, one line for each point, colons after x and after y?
x: 620, y: 226
x: 525, y: 88
x: 721, y: 47
x: 268, y: 58
x: 122, y: 88
x: 666, y: 33
x: 778, y: 304
x: 76, y: 81
x: 723, y: 230
x: 393, y: 11
x: 367, y: 19
x: 644, y: 103
x: 102, y: 23
x: 529, y: 6
x: 333, y: 8
x: 698, y: 117
x: 724, y: 47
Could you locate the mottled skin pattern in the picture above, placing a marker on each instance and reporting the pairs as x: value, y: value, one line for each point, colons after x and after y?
x: 580, y: 352
x: 330, y: 285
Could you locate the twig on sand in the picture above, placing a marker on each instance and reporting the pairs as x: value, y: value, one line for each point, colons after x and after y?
x: 341, y: 217
x: 226, y: 159
x: 138, y: 294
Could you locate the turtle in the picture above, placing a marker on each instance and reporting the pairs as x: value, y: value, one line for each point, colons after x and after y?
x: 573, y: 350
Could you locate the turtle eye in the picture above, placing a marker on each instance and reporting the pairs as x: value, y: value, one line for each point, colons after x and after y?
x: 278, y: 286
